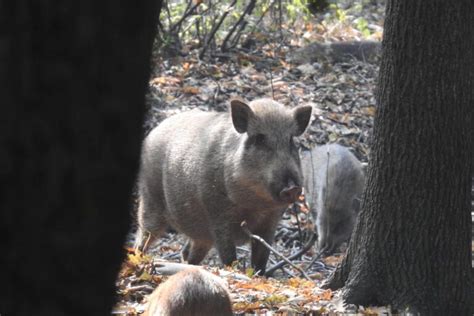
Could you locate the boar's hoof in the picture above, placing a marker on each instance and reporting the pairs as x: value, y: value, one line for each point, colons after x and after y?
x: 290, y: 194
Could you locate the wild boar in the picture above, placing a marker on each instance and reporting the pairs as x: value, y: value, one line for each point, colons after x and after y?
x: 334, y: 180
x: 204, y: 173
x: 191, y: 292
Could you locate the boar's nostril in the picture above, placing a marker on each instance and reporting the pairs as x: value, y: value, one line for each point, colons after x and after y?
x: 290, y: 194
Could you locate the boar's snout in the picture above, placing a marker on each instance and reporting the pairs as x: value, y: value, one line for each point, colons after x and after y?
x: 290, y: 193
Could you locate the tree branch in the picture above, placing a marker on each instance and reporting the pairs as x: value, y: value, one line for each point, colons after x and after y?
x: 302, y: 251
x: 185, y: 15
x: 216, y: 27
x: 248, y: 10
x: 244, y: 227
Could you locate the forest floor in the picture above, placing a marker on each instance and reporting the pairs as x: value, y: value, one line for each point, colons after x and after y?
x: 342, y: 96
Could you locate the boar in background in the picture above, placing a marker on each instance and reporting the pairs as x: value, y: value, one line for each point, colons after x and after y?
x: 334, y: 181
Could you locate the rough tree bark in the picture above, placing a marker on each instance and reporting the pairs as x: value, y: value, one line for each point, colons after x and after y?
x: 73, y: 75
x: 412, y: 246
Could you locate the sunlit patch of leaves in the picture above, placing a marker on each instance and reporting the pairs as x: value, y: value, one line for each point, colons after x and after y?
x: 262, y: 294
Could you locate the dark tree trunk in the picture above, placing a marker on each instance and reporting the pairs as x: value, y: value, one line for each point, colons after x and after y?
x: 73, y: 75
x: 412, y: 246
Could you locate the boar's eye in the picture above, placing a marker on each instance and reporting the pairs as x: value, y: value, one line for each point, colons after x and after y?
x: 258, y: 140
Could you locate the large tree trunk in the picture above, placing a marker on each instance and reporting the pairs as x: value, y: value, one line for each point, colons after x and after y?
x: 412, y: 246
x: 73, y: 75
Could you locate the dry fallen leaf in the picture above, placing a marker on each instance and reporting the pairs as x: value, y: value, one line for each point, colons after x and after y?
x: 135, y: 257
x: 190, y: 90
x: 145, y: 276
x: 165, y: 80
x: 370, y: 110
x: 325, y: 296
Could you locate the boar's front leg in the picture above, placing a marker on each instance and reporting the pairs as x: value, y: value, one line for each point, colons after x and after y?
x: 225, y: 244
x: 260, y: 253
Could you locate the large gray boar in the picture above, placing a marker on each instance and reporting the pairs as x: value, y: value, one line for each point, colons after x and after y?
x: 204, y: 173
x: 334, y: 180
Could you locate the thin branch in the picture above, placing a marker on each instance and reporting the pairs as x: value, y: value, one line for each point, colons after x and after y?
x: 236, y: 38
x: 302, y: 251
x: 185, y: 15
x: 201, y: 21
x: 216, y: 27
x: 198, y: 31
x: 244, y: 227
x: 242, y: 26
x: 263, y: 15
x: 170, y: 268
x: 271, y: 84
x: 283, y: 269
x: 143, y: 287
x: 169, y: 13
x: 298, y: 224
x: 248, y: 10
x: 280, y: 18
x: 316, y: 257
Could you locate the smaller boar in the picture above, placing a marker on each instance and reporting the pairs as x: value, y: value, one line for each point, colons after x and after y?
x: 203, y: 173
x: 191, y: 292
x: 334, y: 180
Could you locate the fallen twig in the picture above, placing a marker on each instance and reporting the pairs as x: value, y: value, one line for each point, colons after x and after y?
x: 294, y: 209
x: 142, y: 287
x: 316, y: 257
x: 170, y: 268
x: 303, y: 250
x: 244, y: 227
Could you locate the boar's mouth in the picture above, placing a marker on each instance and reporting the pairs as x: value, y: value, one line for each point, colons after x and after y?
x: 274, y: 194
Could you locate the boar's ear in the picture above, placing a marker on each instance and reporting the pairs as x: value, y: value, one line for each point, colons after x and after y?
x: 241, y: 113
x: 302, y: 115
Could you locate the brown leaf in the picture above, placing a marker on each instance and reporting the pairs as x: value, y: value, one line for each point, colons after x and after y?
x: 326, y: 295
x: 370, y: 110
x: 165, y: 80
x: 190, y: 90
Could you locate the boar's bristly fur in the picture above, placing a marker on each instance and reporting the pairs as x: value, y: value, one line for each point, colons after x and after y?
x: 204, y: 173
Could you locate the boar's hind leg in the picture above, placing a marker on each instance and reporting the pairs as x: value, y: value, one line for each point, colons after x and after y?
x: 326, y: 245
x: 342, y: 232
x: 323, y: 230
x: 336, y: 234
x: 151, y: 225
x: 195, y: 251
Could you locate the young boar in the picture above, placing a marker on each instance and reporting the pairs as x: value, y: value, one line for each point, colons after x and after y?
x: 334, y: 180
x: 191, y: 292
x: 204, y: 173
